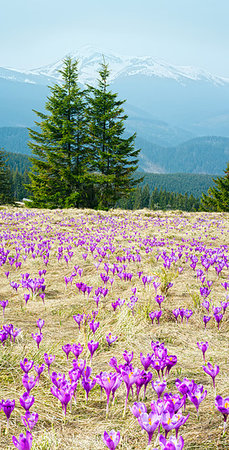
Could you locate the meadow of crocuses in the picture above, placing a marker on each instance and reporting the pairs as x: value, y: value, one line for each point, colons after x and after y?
x: 114, y: 330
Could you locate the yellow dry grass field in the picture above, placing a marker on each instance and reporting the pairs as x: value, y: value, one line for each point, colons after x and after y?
x: 138, y: 241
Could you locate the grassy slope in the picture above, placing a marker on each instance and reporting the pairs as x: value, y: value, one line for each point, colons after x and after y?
x: 85, y: 425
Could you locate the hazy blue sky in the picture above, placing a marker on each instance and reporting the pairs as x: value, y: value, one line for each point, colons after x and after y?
x: 185, y: 32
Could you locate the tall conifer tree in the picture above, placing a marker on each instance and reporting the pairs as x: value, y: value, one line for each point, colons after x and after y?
x: 6, y: 182
x: 113, y: 157
x: 59, y: 169
x: 217, y: 198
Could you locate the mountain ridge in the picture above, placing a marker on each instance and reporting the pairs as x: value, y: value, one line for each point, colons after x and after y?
x: 90, y: 58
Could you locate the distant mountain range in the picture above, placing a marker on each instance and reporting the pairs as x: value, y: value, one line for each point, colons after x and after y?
x: 168, y: 106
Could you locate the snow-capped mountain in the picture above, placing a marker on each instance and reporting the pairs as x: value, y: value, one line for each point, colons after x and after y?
x: 90, y: 58
x: 166, y: 104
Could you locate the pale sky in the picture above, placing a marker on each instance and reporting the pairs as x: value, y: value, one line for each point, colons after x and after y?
x: 34, y: 33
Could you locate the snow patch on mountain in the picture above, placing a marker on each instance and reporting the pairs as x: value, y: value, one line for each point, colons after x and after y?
x: 90, y: 59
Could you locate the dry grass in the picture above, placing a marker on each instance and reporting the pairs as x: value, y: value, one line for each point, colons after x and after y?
x: 85, y: 424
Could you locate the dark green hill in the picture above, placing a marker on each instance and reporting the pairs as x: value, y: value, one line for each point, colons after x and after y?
x: 181, y: 183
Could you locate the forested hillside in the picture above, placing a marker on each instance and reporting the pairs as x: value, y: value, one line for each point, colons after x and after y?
x: 180, y: 183
x: 192, y: 184
x: 203, y: 155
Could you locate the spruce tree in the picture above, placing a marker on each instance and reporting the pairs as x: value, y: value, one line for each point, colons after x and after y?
x: 217, y: 198
x: 145, y: 196
x: 113, y: 157
x: 59, y: 166
x: 6, y: 182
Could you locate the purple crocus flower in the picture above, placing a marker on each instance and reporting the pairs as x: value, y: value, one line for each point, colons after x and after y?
x: 39, y: 370
x: 224, y: 306
x: 3, y: 337
x: 128, y: 356
x: 212, y: 371
x: 115, y: 305
x: 159, y: 349
x: 76, y: 349
x: 118, y: 383
x: 7, y: 406
x: 113, y: 363
x: 173, y: 400
x: 196, y: 396
x: 88, y: 385
x: 170, y: 361
x: 29, y: 420
x: 142, y: 380
x: 156, y: 285
x: 204, y: 291
x: 40, y: 324
x: 188, y: 313
x: 78, y: 319
x: 176, y: 313
x: 64, y: 394
x: 26, y: 365
x: 218, y: 318
x: 149, y: 422
x: 223, y: 406
x: 42, y: 296
x: 158, y: 315
x: 67, y: 348
x: 58, y: 379
x: 203, y: 346
x: 225, y: 285
x: 159, y: 299
x: 107, y: 382
x: 49, y: 359
x: 158, y: 365
x: 159, y: 386
x: 37, y: 338
x: 174, y: 422
x: 79, y: 365
x: 14, y: 285
x: 29, y: 382
x: 111, y: 440
x: 92, y: 347
x: 182, y: 314
x: 129, y: 377
x: 184, y: 386
x: 206, y: 304
x: 4, y: 304
x: 94, y: 326
x: 24, y: 442
x: 146, y: 361
x: 216, y: 309
x: 15, y: 332
x: 152, y: 315
x: 110, y: 339
x: 26, y: 401
x: 172, y: 443
x: 138, y: 409
x: 206, y: 320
